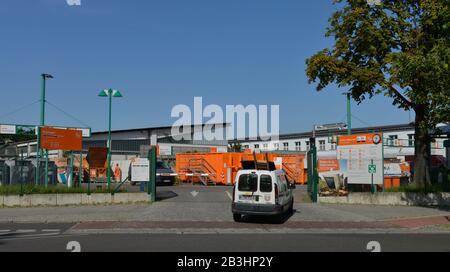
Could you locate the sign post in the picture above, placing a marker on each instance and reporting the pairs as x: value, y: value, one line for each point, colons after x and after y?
x: 372, y: 171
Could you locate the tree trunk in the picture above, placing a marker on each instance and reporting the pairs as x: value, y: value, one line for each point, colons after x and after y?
x: 422, y: 145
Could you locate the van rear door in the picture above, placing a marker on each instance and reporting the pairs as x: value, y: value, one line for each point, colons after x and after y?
x: 246, y: 188
x: 266, y: 189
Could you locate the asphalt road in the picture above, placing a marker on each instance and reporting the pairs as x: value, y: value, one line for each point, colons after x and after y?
x: 227, y: 243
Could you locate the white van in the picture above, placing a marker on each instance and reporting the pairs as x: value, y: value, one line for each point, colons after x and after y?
x: 262, y: 192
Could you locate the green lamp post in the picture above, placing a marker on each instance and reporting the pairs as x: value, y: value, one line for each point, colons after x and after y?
x: 110, y: 93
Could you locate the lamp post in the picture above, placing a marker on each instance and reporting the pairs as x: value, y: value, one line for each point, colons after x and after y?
x: 349, y: 112
x: 41, y: 124
x: 110, y: 93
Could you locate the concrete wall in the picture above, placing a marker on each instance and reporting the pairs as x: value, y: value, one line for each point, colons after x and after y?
x: 396, y: 199
x: 71, y: 199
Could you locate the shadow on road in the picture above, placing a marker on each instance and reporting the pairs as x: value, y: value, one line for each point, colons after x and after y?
x: 164, y: 195
x: 268, y: 220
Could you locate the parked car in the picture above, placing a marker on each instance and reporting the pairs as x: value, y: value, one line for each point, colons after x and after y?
x: 262, y: 192
x: 165, y: 175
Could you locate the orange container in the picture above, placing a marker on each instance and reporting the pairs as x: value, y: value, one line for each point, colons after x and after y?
x: 222, y: 168
x: 391, y: 182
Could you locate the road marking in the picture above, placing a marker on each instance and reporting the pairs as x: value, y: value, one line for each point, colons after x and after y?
x: 51, y: 230
x: 7, y: 230
x: 194, y: 193
x: 25, y: 231
x: 229, y: 195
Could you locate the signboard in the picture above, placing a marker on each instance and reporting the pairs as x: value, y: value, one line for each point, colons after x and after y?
x: 61, y: 139
x: 165, y: 150
x: 372, y: 169
x: 25, y: 129
x: 7, y: 129
x: 327, y: 165
x: 85, y: 132
x: 140, y: 170
x: 355, y: 154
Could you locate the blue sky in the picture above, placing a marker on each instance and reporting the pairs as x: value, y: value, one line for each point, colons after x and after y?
x: 161, y: 53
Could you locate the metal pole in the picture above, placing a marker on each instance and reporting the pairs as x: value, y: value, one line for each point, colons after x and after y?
x: 46, y: 168
x: 373, y: 186
x: 42, y: 122
x: 21, y: 173
x: 110, y: 93
x: 70, y: 177
x: 152, y: 184
x: 89, y: 180
x: 80, y: 175
x: 349, y: 114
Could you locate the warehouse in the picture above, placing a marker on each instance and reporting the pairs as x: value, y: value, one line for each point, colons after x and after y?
x: 398, y: 140
x: 130, y: 143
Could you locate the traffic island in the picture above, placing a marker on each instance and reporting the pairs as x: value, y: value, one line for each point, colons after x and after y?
x: 52, y: 200
x: 391, y: 198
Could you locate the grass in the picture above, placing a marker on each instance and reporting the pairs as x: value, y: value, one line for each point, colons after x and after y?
x: 33, y: 189
x: 434, y: 188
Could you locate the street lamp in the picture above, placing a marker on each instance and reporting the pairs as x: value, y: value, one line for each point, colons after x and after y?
x: 349, y: 113
x: 110, y: 93
x: 41, y: 124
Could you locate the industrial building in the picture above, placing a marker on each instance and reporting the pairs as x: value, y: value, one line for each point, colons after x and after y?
x: 398, y: 140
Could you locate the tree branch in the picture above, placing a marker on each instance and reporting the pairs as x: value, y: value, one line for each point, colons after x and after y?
x: 400, y: 96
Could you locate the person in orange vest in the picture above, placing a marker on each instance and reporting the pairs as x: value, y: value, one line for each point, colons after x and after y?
x: 118, y: 173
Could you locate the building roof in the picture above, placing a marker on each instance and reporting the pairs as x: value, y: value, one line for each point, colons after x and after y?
x: 153, y: 128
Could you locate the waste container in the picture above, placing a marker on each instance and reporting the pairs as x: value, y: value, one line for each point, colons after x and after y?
x: 52, y: 172
x: 22, y: 172
x: 4, y: 173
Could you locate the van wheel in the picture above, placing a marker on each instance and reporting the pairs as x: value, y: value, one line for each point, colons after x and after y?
x: 291, y: 207
x: 237, y: 217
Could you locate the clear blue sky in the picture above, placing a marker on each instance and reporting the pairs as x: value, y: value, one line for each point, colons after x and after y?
x: 160, y: 53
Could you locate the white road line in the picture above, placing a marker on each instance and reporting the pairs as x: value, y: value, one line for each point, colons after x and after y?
x: 51, y: 230
x: 229, y: 195
x: 5, y: 230
x: 25, y: 231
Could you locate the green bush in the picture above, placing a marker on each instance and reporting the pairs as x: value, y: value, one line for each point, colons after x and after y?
x: 412, y: 188
x: 33, y: 189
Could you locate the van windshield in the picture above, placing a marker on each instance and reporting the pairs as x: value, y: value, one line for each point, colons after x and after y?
x: 248, y: 183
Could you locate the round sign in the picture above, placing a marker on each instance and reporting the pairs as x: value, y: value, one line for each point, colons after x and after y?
x: 376, y: 139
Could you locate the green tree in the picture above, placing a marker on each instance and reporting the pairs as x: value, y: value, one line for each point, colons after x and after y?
x: 397, y: 48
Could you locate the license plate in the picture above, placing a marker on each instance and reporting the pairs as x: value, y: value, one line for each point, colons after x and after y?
x: 246, y: 197
x: 167, y: 181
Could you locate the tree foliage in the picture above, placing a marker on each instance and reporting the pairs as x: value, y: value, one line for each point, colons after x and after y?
x: 398, y: 48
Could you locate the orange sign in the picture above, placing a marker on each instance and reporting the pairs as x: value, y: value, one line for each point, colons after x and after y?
x: 327, y: 165
x: 61, y: 139
x: 360, y: 139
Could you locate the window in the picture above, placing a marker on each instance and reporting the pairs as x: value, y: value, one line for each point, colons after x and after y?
x: 307, y: 146
x: 298, y: 146
x: 392, y: 140
x: 248, y: 183
x: 265, y: 146
x: 285, y: 146
x: 246, y: 146
x: 265, y: 184
x: 256, y: 146
x: 277, y: 146
x: 333, y: 146
x: 322, y: 145
x: 411, y: 139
